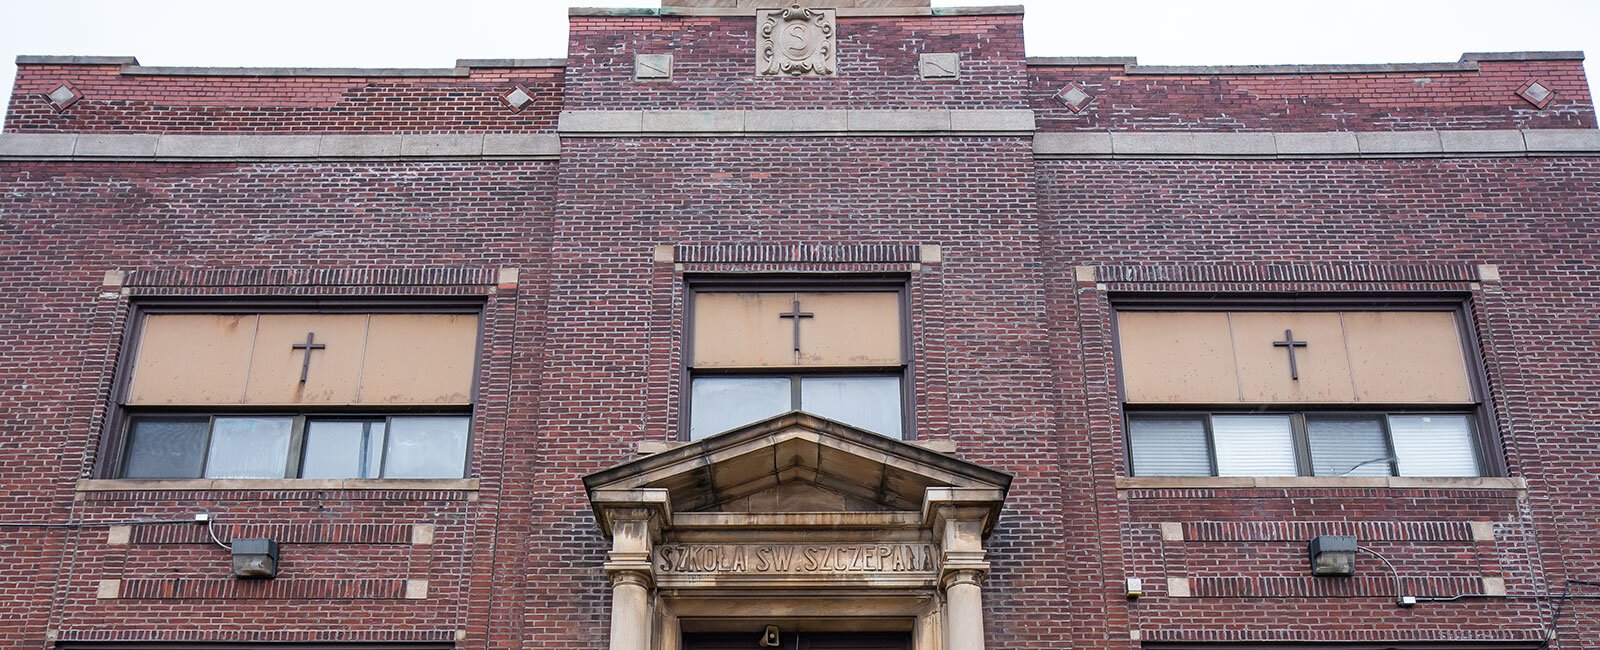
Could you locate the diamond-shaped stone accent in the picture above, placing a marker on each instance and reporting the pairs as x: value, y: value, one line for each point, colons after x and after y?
x: 519, y: 98
x: 654, y: 67
x: 1075, y: 98
x: 1536, y: 93
x: 63, y: 96
x: 940, y: 65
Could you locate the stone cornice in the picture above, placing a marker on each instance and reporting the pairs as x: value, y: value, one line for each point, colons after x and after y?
x: 1467, y: 63
x: 1091, y: 145
x: 843, y: 12
x: 202, y: 147
x: 1319, y: 144
x: 130, y: 66
x: 795, y: 122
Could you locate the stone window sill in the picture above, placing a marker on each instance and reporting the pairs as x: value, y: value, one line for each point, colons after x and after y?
x: 1349, y: 482
x: 154, y: 485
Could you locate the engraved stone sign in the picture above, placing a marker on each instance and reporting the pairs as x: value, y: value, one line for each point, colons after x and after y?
x: 794, y: 559
x: 796, y: 41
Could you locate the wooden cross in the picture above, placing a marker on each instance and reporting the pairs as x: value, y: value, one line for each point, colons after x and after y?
x: 310, y: 344
x: 1289, y: 343
x: 796, y: 314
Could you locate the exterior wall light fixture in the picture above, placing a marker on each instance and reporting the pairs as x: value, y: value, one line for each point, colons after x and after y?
x: 255, y: 557
x: 1333, y: 555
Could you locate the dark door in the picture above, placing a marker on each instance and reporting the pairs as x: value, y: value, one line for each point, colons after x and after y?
x: 801, y: 641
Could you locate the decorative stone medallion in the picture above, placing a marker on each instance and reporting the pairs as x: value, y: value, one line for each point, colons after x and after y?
x: 519, y: 98
x: 1536, y: 93
x: 797, y: 42
x: 63, y: 96
x: 1075, y: 98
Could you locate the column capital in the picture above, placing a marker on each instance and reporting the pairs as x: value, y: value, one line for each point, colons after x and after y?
x: 651, y: 506
x: 942, y: 505
x: 963, y: 575
x: 630, y: 573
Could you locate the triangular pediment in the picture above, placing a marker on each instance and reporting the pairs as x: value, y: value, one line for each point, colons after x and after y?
x: 796, y: 462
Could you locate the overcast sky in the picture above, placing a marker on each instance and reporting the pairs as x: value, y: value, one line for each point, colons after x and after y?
x: 434, y: 33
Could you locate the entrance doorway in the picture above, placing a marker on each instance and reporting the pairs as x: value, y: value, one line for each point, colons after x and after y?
x: 801, y: 641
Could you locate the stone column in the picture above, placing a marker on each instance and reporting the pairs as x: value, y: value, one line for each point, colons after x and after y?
x: 961, y: 518
x: 631, y: 615
x: 963, y: 594
x: 633, y: 519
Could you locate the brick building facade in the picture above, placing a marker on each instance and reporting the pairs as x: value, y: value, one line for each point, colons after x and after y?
x: 1045, y: 419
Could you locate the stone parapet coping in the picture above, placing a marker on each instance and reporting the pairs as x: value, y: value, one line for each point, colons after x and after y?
x: 842, y: 12
x: 138, y: 146
x: 1318, y: 144
x: 201, y: 484
x: 1324, y: 482
x: 1468, y: 63
x: 601, y: 123
x: 130, y: 66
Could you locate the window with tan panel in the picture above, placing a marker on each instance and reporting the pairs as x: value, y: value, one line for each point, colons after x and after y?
x: 340, y: 394
x: 1307, y: 392
x: 759, y: 349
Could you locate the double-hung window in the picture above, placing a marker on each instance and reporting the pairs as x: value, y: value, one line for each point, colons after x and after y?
x: 295, y: 392
x: 835, y: 350
x: 1309, y: 392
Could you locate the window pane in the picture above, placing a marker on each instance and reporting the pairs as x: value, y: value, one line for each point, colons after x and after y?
x: 722, y: 403
x: 426, y: 447
x: 342, y: 449
x: 249, y: 447
x: 1434, y: 445
x: 871, y: 403
x: 1347, y: 446
x: 1253, y: 445
x: 1169, y: 446
x: 165, y: 448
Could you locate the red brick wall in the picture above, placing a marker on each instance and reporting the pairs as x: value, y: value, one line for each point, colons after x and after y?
x: 1010, y: 352
x: 113, y: 101
x: 1013, y: 356
x: 364, y: 230
x: 1389, y: 101
x: 714, y: 65
x: 1351, y: 228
